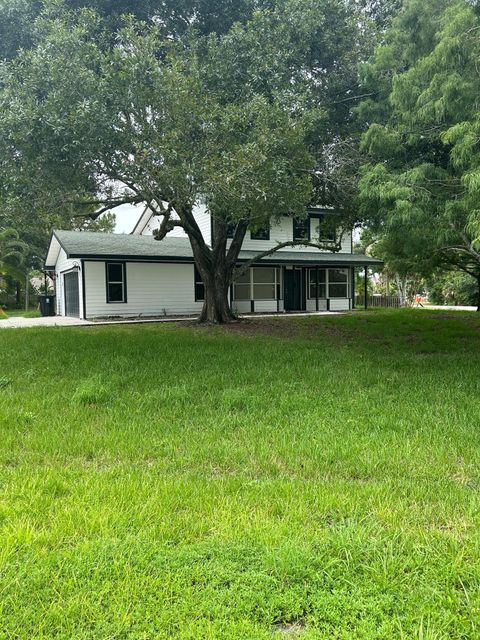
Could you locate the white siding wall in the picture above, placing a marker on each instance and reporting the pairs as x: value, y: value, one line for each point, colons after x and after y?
x: 312, y: 305
x: 261, y: 306
x: 65, y: 264
x: 283, y: 232
x: 153, y: 289
x: 339, y: 304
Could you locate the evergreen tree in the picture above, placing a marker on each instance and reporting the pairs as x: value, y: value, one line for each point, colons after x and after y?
x: 422, y: 180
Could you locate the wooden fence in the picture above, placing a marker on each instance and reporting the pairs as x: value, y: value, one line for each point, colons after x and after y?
x: 378, y: 301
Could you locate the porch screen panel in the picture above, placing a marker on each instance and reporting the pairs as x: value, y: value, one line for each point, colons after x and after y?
x: 264, y: 284
x: 338, y: 283
x: 241, y: 287
x: 312, y: 283
x: 259, y: 283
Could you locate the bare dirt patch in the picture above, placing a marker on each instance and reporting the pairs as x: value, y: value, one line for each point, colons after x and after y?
x: 250, y: 328
x: 290, y: 629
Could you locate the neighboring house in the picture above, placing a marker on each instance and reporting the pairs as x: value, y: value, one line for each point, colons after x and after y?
x: 118, y: 275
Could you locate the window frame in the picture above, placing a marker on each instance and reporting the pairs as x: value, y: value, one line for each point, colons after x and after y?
x: 123, y: 282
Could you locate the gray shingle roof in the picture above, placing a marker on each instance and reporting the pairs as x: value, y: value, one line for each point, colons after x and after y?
x: 312, y: 257
x: 87, y: 244
x: 84, y: 244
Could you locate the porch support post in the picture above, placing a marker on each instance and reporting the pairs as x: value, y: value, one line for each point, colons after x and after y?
x: 353, y: 288
x: 316, y: 287
x: 277, y: 287
x: 366, y: 287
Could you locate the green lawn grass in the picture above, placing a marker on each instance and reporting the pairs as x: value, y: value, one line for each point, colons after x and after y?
x: 165, y: 481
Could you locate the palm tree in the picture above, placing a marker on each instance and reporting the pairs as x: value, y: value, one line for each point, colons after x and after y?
x: 13, y: 255
x: 13, y: 251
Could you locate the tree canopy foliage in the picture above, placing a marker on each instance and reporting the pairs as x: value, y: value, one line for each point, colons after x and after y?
x: 421, y: 187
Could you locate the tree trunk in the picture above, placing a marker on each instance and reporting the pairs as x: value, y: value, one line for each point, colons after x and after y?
x: 402, y: 286
x: 216, y: 307
x: 216, y: 280
x: 27, y: 291
x: 216, y: 266
x: 215, y: 263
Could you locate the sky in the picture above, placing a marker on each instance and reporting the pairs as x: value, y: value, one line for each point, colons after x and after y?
x: 127, y: 216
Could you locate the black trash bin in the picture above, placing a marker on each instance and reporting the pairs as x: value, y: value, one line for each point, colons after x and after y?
x: 47, y: 305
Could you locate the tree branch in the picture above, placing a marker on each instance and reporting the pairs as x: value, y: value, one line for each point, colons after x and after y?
x: 167, y: 223
x: 462, y: 249
x: 237, y: 241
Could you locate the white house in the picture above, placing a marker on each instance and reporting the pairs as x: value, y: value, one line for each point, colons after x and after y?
x: 129, y: 275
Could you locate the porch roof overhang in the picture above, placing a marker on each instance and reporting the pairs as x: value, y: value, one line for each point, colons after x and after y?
x: 312, y: 258
x: 88, y: 245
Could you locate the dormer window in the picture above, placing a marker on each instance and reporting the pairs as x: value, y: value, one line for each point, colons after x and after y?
x: 301, y: 228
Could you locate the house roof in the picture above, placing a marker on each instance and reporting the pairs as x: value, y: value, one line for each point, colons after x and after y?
x: 89, y: 245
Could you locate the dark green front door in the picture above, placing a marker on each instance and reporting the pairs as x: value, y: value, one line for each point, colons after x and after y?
x: 293, y: 290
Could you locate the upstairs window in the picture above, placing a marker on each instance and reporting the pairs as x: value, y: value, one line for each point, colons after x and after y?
x: 116, y: 282
x: 231, y: 226
x: 260, y: 234
x: 324, y: 229
x: 301, y: 229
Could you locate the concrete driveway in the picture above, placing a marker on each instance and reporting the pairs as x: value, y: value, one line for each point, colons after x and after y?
x: 50, y: 321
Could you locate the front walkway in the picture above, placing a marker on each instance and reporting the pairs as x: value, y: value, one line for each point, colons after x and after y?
x: 64, y: 321
x: 446, y: 307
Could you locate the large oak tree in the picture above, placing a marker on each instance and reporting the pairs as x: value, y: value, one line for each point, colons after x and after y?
x: 238, y: 120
